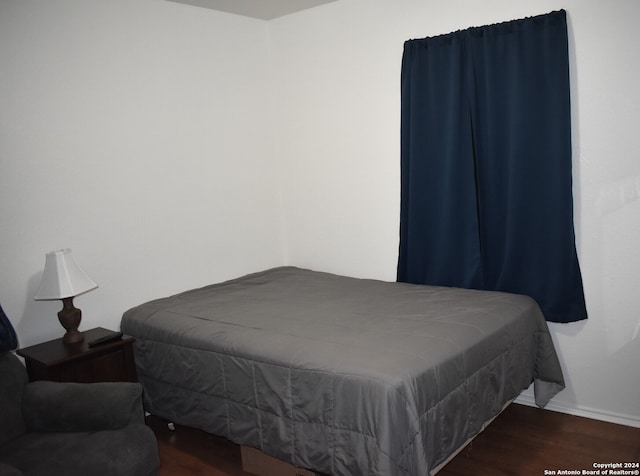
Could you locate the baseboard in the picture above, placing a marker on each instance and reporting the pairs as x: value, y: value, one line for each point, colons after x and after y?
x: 620, y: 419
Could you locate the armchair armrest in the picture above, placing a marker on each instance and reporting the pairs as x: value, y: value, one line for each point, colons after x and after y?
x: 61, y: 406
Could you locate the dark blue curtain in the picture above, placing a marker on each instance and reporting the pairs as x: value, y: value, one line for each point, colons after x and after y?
x: 486, y: 163
x: 8, y: 339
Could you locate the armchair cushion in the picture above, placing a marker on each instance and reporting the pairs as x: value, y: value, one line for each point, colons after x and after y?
x: 104, y: 453
x: 56, y: 406
x: 13, y: 378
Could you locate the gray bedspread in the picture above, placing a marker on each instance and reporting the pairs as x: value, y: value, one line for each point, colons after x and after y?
x: 340, y: 375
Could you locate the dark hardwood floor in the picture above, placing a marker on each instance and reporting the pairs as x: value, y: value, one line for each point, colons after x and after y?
x: 521, y: 441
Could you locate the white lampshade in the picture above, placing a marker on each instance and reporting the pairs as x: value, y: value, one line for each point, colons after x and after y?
x: 62, y: 277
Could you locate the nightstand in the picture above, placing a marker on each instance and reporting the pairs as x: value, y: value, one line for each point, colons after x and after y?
x: 110, y: 362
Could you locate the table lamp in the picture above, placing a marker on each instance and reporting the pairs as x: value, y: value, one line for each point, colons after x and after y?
x: 63, y: 279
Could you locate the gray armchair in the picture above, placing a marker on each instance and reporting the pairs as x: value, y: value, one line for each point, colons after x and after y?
x: 69, y: 429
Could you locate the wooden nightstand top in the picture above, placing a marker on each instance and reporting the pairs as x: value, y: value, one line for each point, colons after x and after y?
x: 54, y: 351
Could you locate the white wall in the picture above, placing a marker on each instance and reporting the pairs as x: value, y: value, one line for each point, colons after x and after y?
x: 145, y: 136
x: 139, y: 135
x: 339, y: 142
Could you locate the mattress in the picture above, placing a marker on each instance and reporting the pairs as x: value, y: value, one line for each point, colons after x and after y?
x: 340, y: 375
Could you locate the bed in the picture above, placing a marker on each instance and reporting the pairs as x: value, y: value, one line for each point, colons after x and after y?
x: 341, y: 375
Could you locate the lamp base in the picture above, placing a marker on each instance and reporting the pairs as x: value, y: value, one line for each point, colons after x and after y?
x: 72, y: 337
x: 70, y: 318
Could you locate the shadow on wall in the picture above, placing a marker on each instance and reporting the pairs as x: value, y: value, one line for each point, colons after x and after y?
x: 618, y: 207
x: 569, y: 329
x: 40, y: 318
x: 617, y: 195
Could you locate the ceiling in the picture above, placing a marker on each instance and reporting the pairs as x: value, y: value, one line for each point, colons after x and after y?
x: 262, y: 9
